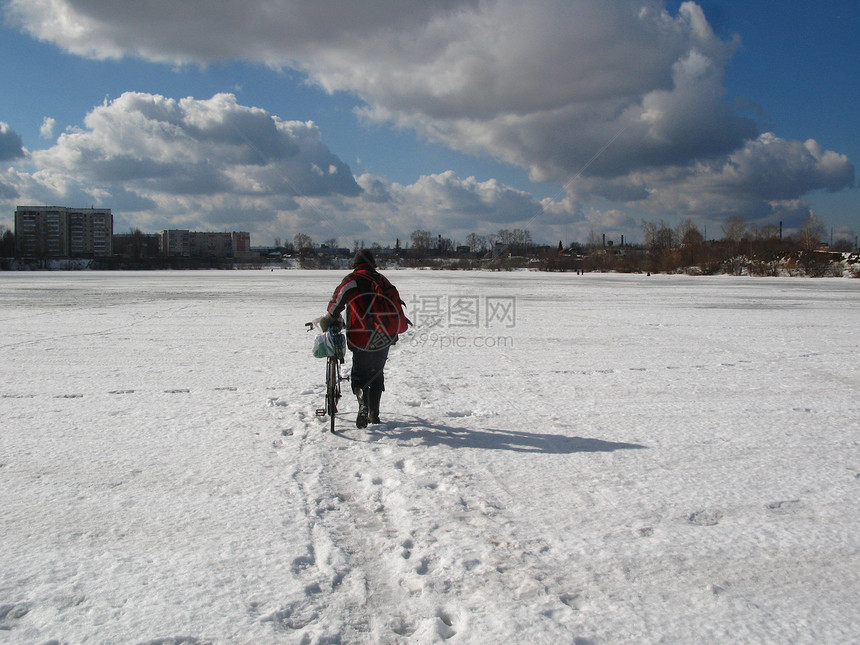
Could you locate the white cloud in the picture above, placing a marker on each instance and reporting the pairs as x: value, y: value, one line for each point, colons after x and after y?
x: 179, y: 32
x: 156, y: 145
x: 207, y: 161
x: 617, y: 100
x: 217, y: 164
x: 772, y: 168
x: 47, y: 129
x: 544, y: 86
x: 8, y: 189
x: 11, y: 145
x: 751, y: 181
x: 452, y: 202
x: 441, y: 203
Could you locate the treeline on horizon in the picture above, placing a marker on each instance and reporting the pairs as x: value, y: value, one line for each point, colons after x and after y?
x: 744, y: 249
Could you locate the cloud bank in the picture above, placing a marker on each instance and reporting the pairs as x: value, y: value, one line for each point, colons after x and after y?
x: 11, y: 145
x: 618, y: 101
x: 214, y: 163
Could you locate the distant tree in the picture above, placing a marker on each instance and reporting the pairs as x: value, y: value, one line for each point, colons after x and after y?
x: 521, y: 241
x: 688, y: 233
x: 302, y: 242
x: 658, y: 236
x: 504, y: 236
x: 734, y: 231
x: 7, y: 242
x: 476, y: 243
x: 331, y: 243
x: 842, y: 245
x: 445, y: 245
x: 516, y: 242
x: 766, y: 232
x: 809, y: 234
x: 693, y: 237
x: 138, y: 244
x: 421, y: 241
x: 691, y: 240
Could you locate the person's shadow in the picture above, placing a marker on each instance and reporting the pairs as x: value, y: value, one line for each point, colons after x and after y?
x: 410, y: 428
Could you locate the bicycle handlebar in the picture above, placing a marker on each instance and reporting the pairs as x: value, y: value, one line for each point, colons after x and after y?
x: 337, y: 327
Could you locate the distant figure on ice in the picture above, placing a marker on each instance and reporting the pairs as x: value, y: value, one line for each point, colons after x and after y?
x: 374, y: 318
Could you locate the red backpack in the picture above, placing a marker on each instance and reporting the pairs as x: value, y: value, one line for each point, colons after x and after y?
x: 386, y: 307
x: 383, y: 314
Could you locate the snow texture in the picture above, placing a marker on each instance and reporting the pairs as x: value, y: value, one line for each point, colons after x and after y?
x: 562, y: 459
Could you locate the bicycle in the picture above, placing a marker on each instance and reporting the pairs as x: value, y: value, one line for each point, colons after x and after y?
x: 332, y: 345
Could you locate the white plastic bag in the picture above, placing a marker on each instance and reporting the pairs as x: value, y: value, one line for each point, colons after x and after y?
x: 322, y: 348
x: 329, y: 344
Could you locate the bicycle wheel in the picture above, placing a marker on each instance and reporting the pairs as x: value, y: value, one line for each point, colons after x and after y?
x: 332, y: 390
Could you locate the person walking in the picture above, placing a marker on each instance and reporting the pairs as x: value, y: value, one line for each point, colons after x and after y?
x: 374, y: 317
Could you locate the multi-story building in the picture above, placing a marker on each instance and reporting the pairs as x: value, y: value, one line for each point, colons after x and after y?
x: 90, y: 233
x: 192, y: 244
x: 241, y: 243
x: 136, y: 245
x: 211, y: 245
x: 59, y: 232
x: 175, y: 243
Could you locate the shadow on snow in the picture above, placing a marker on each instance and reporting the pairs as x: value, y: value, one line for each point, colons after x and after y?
x: 410, y: 429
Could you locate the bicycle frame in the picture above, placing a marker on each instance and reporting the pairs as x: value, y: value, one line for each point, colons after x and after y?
x: 333, y: 380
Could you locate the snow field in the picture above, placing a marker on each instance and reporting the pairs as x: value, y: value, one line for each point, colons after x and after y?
x: 630, y: 459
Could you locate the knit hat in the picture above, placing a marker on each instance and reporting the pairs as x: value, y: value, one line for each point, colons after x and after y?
x: 363, y: 256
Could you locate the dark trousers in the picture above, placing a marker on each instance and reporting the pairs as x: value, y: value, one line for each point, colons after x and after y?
x: 367, y: 370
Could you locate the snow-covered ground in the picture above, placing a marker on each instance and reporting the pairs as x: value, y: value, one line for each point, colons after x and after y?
x: 564, y: 459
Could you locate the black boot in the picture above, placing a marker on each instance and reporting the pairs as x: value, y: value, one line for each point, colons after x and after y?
x: 361, y: 419
x: 373, y: 400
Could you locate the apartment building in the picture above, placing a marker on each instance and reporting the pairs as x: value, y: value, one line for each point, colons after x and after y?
x: 193, y: 244
x: 59, y: 232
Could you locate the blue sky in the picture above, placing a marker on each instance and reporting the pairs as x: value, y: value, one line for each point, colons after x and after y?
x: 564, y: 117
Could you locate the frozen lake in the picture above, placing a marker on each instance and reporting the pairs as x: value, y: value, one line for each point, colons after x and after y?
x: 563, y: 459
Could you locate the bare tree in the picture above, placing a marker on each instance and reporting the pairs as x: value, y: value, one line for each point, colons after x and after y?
x: 734, y: 230
x: 302, y: 242
x: 445, y: 246
x: 766, y: 232
x: 689, y: 234
x: 521, y: 241
x: 658, y: 236
x: 138, y: 243
x: 421, y: 241
x: 7, y: 242
x: 810, y: 232
x: 476, y: 243
x: 842, y: 245
x: 516, y: 242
